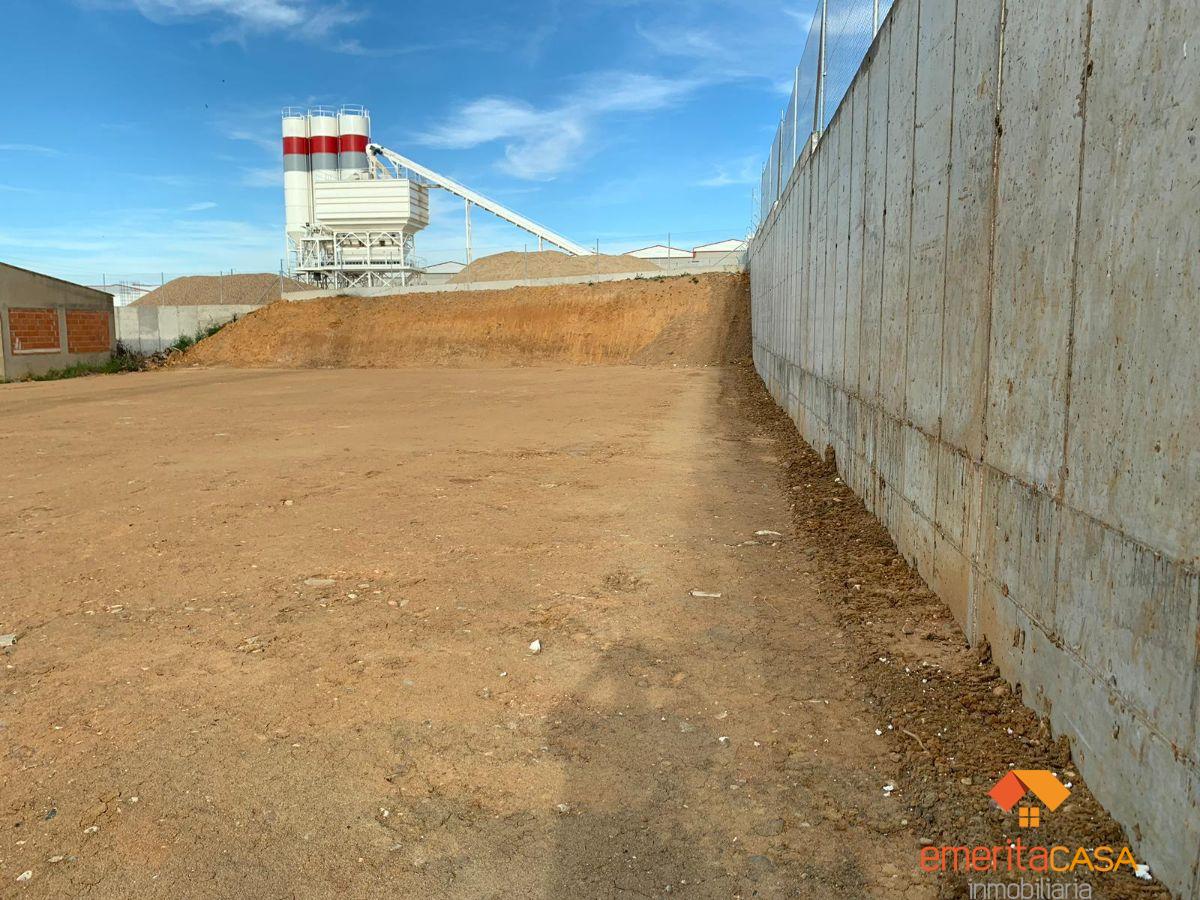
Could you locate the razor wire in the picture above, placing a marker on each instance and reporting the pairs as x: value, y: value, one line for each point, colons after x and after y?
x: 838, y: 39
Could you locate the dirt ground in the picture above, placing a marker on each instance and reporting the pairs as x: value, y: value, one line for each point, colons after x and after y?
x: 274, y: 638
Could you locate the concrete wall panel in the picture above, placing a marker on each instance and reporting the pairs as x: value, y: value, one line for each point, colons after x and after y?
x: 1111, y: 593
x: 843, y: 123
x: 1138, y: 327
x: 1035, y: 238
x: 149, y: 329
x: 897, y: 223
x: 874, y: 198
x: 931, y: 165
x: 854, y: 257
x: 969, y: 229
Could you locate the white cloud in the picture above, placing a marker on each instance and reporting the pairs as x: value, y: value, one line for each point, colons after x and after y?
x: 30, y: 148
x: 139, y: 244
x: 200, y: 207
x: 541, y: 143
x: 745, y: 170
x: 262, y: 177
x: 260, y: 14
x: 729, y: 39
x: 303, y: 19
x: 258, y: 138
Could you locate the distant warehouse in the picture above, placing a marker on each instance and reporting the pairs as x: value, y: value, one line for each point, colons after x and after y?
x: 49, y: 324
x: 717, y: 254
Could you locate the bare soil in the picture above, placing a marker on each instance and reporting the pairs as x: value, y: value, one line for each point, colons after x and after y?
x: 685, y: 320
x: 547, y: 264
x: 212, y: 290
x: 274, y: 627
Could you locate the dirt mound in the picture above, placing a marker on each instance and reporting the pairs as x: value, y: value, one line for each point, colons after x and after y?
x: 212, y: 290
x: 697, y: 320
x: 547, y: 264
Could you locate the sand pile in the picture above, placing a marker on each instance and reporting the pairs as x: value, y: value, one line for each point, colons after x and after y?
x: 698, y: 320
x: 206, y: 290
x: 547, y: 264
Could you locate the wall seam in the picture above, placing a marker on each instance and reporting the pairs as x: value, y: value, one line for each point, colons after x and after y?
x: 849, y: 228
x: 998, y: 129
x: 887, y: 128
x: 825, y: 269
x: 1064, y: 471
x: 912, y: 188
x: 862, y: 248
x: 937, y: 468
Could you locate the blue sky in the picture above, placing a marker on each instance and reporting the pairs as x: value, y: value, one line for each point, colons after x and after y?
x: 142, y: 136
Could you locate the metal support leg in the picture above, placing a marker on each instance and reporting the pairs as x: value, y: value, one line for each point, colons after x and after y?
x: 468, y: 202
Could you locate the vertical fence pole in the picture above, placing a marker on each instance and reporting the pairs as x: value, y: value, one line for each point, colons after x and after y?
x: 820, y: 105
x: 796, y: 115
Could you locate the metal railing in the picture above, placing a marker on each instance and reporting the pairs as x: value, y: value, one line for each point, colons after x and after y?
x: 839, y: 37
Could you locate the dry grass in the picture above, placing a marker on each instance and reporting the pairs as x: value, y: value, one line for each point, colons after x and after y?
x: 683, y: 320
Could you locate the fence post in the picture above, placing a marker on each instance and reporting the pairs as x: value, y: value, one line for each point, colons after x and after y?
x: 819, y: 111
x: 796, y: 115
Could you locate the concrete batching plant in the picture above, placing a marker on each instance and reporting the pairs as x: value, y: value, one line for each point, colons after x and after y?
x: 352, y: 208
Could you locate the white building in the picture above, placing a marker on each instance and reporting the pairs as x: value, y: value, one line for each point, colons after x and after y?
x: 671, y: 258
x: 660, y: 252
x: 125, y: 292
x: 442, y: 272
x: 720, y: 252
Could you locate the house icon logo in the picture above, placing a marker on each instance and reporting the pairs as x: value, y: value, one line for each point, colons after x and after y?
x: 1012, y: 788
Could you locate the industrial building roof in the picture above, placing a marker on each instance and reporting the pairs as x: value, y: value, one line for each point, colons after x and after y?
x: 659, y: 251
x: 721, y: 246
x: 450, y: 266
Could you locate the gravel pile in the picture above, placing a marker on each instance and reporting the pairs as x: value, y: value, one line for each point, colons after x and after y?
x: 211, y: 290
x: 547, y: 264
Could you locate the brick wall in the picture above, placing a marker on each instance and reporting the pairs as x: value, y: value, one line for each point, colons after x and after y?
x: 87, y: 331
x: 33, y: 330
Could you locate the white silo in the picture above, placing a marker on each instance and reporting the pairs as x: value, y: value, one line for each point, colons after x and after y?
x: 297, y: 182
x: 323, y: 143
x: 354, y: 126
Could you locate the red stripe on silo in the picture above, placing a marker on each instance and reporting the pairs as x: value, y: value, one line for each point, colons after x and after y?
x: 295, y: 145
x: 354, y: 143
x: 323, y: 143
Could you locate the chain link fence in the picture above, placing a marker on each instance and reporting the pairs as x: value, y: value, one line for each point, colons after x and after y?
x: 838, y: 40
x: 672, y: 251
